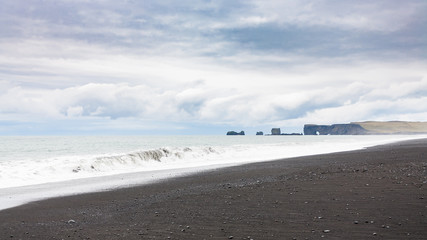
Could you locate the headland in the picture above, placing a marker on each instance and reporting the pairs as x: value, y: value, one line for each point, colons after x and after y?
x: 367, y: 128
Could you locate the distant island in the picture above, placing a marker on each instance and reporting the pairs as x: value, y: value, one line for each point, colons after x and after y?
x: 367, y: 128
x: 277, y: 131
x: 233, y: 133
x: 274, y: 131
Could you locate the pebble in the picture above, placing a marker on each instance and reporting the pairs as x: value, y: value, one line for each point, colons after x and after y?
x: 230, y: 237
x: 326, y: 231
x: 71, y: 221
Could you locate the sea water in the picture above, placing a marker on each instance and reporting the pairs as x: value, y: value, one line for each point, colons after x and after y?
x: 33, y: 168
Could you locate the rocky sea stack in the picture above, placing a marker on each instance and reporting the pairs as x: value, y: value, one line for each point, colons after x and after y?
x: 232, y: 133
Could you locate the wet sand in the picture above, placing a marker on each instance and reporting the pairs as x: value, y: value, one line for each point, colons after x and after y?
x: 377, y: 193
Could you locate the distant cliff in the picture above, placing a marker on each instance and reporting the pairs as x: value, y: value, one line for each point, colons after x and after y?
x: 335, y: 129
x: 395, y: 127
x: 365, y: 128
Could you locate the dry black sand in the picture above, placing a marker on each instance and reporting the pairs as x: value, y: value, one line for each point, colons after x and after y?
x: 377, y: 193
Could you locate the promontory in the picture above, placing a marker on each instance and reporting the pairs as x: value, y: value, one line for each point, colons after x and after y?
x: 367, y: 128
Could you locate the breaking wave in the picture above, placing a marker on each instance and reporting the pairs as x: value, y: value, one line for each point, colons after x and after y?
x: 29, y: 172
x: 148, y: 158
x: 86, y: 160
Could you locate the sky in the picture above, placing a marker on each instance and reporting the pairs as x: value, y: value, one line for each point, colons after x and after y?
x: 80, y: 67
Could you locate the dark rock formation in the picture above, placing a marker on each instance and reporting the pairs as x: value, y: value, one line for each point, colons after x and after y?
x: 335, y: 129
x: 275, y: 131
x: 259, y: 133
x: 235, y: 133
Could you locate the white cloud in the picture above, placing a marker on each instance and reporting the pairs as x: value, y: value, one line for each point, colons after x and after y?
x: 233, y: 91
x: 253, y: 20
x: 76, y: 111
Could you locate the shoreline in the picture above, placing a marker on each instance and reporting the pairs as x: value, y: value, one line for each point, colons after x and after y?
x: 378, y: 192
x: 21, y: 195
x: 18, y: 195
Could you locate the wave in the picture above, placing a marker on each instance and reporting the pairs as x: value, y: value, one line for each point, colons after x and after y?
x: 137, y: 158
x: 33, y: 170
x: 29, y: 172
x: 126, y: 159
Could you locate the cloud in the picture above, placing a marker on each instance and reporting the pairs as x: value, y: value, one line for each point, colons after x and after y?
x: 241, y: 63
x: 220, y: 28
x: 101, y: 100
x: 374, y: 110
x: 204, y: 102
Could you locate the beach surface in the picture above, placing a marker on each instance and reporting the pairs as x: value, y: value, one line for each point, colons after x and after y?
x: 375, y: 193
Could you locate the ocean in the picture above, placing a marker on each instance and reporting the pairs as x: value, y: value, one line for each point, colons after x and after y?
x: 33, y: 167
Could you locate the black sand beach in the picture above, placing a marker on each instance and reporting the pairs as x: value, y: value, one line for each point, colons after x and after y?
x: 377, y: 193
